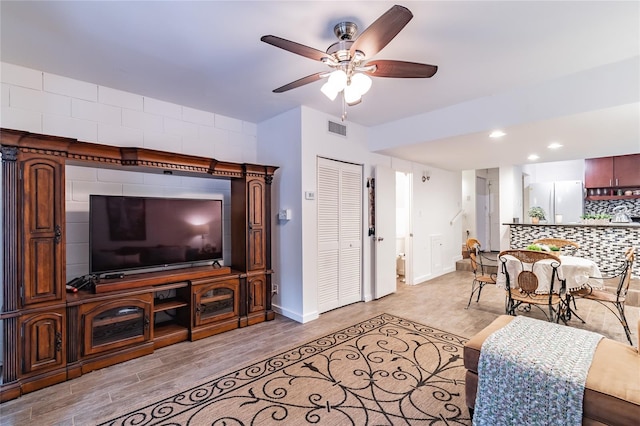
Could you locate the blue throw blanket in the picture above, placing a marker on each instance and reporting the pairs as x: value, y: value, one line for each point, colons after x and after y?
x: 533, y: 372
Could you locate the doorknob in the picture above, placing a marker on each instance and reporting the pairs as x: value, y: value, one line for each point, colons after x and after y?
x: 380, y: 238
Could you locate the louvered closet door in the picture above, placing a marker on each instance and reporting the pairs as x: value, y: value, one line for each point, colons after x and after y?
x: 339, y: 198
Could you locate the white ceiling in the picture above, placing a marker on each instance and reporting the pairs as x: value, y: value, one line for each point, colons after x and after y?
x: 208, y: 55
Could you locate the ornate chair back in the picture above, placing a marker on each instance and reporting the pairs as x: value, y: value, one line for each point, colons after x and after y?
x: 522, y: 289
x: 607, y: 298
x: 625, y: 276
x: 483, y: 273
x: 473, y: 248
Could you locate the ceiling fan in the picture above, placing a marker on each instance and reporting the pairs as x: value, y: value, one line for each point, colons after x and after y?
x: 349, y: 58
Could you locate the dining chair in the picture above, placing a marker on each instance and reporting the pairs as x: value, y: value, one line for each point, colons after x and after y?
x: 524, y: 270
x: 565, y: 246
x: 609, y: 299
x: 484, y: 269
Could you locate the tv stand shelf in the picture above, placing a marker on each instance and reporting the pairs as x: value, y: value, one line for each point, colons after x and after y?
x: 49, y: 335
x: 167, y: 332
x: 161, y: 277
x: 160, y: 305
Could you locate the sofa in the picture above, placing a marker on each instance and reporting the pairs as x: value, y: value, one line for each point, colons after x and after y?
x: 612, y: 389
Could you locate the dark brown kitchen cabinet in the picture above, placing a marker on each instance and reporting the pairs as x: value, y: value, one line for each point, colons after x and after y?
x: 613, y: 172
x: 598, y: 172
x: 626, y: 170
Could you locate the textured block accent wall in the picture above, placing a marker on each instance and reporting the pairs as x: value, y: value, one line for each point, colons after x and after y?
x: 605, y: 245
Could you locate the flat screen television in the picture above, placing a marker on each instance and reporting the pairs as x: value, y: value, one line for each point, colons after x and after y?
x: 130, y: 233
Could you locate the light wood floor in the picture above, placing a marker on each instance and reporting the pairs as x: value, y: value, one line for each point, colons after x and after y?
x: 103, y: 394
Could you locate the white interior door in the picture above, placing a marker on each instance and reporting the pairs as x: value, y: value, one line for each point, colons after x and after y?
x: 385, y: 231
x: 339, y: 204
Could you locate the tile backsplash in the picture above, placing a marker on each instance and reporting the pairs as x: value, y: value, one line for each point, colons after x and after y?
x: 607, y: 206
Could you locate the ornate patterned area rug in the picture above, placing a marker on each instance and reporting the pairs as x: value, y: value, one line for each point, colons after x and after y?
x: 383, y: 371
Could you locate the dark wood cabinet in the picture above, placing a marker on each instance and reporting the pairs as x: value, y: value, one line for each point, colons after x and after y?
x: 113, y: 324
x: 612, y: 172
x: 50, y: 335
x: 598, y: 172
x: 256, y: 225
x: 216, y: 306
x: 42, y: 347
x: 249, y: 222
x: 604, y: 176
x: 257, y: 298
x: 626, y: 170
x: 43, y: 229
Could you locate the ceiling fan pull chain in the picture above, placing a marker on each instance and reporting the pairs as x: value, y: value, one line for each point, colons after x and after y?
x: 344, y: 108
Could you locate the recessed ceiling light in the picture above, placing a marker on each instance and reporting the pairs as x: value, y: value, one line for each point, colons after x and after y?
x: 533, y: 157
x: 497, y: 134
x: 554, y: 145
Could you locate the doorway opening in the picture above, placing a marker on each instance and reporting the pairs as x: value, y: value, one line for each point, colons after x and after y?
x: 404, y: 229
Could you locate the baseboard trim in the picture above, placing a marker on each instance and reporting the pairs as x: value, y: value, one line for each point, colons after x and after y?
x: 296, y: 316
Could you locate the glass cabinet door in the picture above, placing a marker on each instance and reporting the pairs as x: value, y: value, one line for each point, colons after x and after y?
x: 216, y: 302
x: 116, y: 324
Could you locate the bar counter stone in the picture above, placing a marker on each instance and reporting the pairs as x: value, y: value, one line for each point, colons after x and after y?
x: 604, y: 244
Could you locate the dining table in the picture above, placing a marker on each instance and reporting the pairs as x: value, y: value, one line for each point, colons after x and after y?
x: 576, y: 272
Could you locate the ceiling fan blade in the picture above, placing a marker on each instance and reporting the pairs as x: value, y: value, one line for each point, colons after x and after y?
x: 401, y: 69
x: 382, y: 31
x: 293, y: 47
x: 301, y: 82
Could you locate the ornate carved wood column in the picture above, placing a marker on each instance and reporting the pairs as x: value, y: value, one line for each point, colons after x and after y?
x: 10, y: 270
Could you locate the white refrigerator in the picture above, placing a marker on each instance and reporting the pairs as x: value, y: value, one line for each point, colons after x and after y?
x: 562, y: 201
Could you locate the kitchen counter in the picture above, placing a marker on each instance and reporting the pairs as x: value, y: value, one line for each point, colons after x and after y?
x: 615, y: 224
x: 604, y: 244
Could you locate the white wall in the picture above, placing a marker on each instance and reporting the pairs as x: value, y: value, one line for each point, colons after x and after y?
x: 40, y: 102
x: 510, y: 200
x: 436, y: 203
x: 554, y: 171
x: 280, y: 144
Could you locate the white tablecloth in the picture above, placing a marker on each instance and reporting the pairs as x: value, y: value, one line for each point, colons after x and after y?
x: 575, y: 270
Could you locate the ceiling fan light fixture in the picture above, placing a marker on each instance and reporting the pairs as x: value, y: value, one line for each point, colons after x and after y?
x: 338, y: 80
x: 329, y: 91
x: 351, y: 95
x: 361, y: 83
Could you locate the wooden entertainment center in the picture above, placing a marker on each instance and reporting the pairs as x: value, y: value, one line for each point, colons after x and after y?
x: 49, y: 335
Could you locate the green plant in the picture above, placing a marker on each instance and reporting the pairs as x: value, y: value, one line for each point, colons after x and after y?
x: 537, y: 212
x: 535, y: 247
x: 603, y: 216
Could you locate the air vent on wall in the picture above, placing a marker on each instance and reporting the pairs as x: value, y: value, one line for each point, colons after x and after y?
x: 337, y: 128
